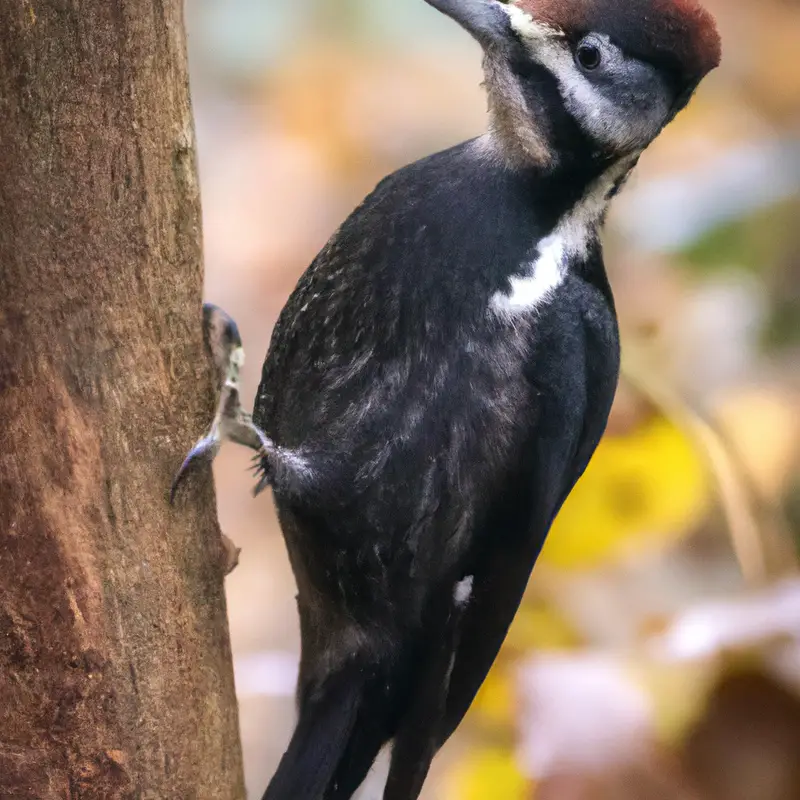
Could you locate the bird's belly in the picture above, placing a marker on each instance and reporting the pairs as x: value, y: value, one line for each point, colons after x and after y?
x: 478, y: 442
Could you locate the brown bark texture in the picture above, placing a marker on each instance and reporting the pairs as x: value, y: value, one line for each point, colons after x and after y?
x: 115, y: 663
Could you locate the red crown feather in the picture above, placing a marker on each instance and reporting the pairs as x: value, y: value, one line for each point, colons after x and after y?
x: 681, y: 31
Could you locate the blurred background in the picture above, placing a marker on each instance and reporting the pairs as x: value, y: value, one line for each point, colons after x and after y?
x: 657, y: 654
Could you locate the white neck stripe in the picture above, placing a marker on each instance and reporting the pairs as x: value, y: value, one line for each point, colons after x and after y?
x: 571, y: 239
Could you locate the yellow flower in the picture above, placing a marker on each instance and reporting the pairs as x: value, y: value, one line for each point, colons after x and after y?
x: 542, y: 626
x: 494, y: 703
x: 641, y: 490
x: 490, y: 774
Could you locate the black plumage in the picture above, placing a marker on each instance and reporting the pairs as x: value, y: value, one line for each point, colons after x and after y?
x: 435, y: 386
x: 447, y: 437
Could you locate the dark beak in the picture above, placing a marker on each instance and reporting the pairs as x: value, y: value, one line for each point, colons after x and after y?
x: 486, y: 20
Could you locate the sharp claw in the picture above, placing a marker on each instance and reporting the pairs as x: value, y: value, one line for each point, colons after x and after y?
x: 203, y: 452
x: 231, y: 422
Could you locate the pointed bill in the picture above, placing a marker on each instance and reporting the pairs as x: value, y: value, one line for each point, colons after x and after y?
x: 486, y: 20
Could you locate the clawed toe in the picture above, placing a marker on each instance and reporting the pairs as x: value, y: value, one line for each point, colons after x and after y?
x: 203, y: 452
x: 231, y: 421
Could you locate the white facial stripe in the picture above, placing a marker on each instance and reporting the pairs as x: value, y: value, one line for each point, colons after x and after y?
x: 527, y: 27
x: 596, y: 113
x: 571, y: 239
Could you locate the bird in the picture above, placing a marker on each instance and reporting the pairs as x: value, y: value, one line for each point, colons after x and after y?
x: 441, y: 375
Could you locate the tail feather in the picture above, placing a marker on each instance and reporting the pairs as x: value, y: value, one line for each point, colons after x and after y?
x: 320, y: 739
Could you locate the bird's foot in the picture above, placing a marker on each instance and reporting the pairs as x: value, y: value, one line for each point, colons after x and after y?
x: 231, y: 422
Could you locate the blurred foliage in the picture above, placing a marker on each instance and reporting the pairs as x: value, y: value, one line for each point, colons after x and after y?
x: 782, y: 330
x: 640, y: 490
x: 487, y: 773
x: 757, y: 243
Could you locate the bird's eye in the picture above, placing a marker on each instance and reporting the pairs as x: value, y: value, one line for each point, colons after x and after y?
x: 589, y: 55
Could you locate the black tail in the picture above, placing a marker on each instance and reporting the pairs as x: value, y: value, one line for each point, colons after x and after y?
x: 323, y: 732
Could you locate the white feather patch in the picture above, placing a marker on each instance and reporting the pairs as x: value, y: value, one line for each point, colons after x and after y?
x: 586, y: 102
x: 536, y: 288
x: 527, y: 27
x: 463, y: 591
x: 569, y: 240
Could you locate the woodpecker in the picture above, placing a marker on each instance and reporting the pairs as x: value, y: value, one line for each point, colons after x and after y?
x: 441, y: 375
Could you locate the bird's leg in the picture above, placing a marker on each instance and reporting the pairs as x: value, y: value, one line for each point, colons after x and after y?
x: 231, y: 422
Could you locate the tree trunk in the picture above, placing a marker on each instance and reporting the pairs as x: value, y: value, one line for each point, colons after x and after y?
x: 115, y: 663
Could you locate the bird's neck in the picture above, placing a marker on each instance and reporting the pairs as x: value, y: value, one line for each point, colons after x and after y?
x: 587, y: 192
x: 570, y: 211
x: 578, y: 185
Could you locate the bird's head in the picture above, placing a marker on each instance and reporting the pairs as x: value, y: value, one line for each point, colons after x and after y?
x: 593, y: 75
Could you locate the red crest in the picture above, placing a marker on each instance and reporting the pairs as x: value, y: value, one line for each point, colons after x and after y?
x: 679, y: 32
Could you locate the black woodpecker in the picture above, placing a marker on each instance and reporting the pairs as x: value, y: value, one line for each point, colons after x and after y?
x: 441, y: 375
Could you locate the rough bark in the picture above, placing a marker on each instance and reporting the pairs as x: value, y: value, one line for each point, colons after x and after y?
x: 115, y: 664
